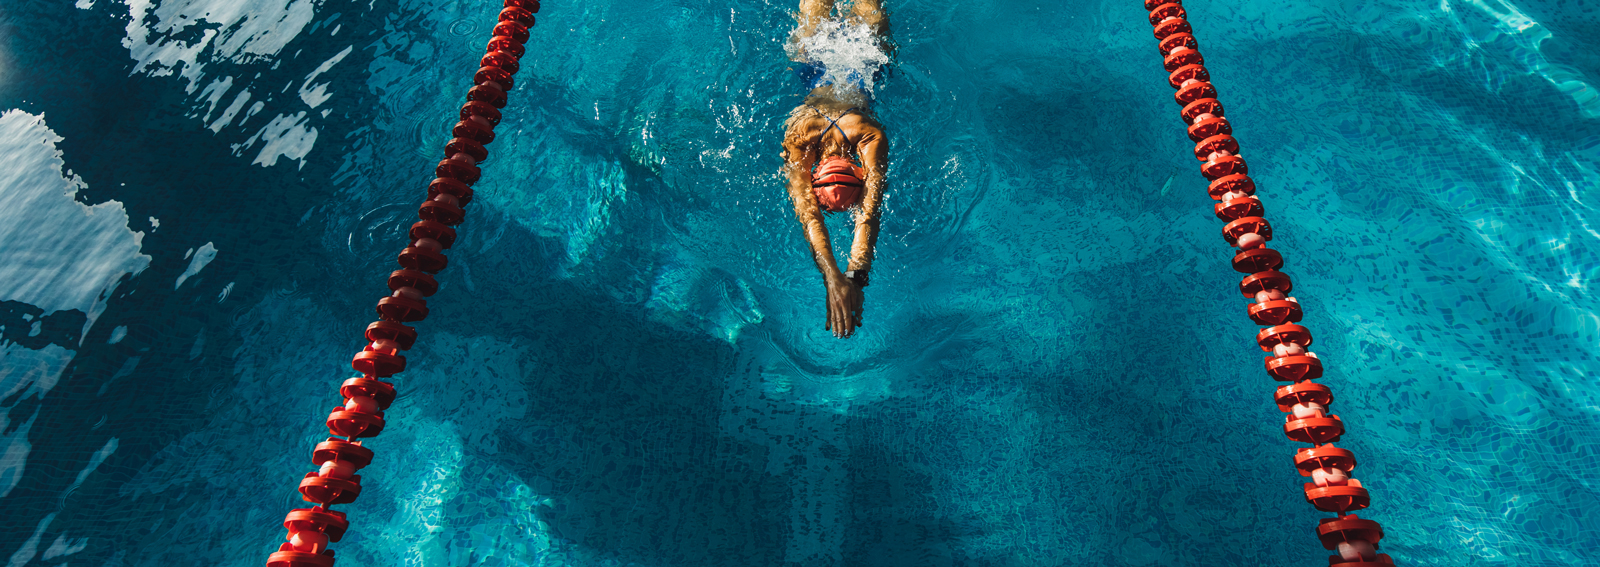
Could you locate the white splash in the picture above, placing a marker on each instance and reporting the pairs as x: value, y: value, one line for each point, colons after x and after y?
x: 849, y: 52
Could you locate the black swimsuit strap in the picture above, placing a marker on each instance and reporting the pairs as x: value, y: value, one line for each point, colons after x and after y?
x: 833, y: 123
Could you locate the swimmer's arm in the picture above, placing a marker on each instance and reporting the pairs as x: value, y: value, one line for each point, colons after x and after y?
x: 800, y: 160
x: 874, y: 150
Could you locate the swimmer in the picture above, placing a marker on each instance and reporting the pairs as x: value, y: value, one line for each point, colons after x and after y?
x: 835, y: 152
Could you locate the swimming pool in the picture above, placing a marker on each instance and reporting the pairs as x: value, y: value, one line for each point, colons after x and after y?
x: 627, y: 364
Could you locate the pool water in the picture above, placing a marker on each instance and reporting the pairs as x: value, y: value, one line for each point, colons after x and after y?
x: 627, y: 363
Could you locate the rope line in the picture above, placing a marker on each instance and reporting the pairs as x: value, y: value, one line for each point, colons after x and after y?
x: 366, y: 396
x: 1306, y: 402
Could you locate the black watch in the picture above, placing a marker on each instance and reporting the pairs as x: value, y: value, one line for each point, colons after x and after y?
x: 857, y: 276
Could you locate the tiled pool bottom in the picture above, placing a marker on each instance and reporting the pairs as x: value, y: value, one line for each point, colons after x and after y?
x: 627, y: 365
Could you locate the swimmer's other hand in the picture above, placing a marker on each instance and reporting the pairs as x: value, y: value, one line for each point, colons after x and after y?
x: 844, y: 306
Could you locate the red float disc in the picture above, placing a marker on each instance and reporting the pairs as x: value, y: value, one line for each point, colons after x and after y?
x: 1176, y: 40
x: 380, y: 391
x: 517, y: 32
x: 458, y: 170
x: 495, y: 97
x: 1278, y: 313
x: 1233, y: 230
x: 1200, y: 106
x: 1333, y: 531
x: 1152, y: 4
x: 473, y: 130
x: 1337, y: 499
x: 1194, y: 94
x: 327, y: 491
x: 330, y: 522
x: 1182, y: 57
x: 378, y: 363
x: 1224, y: 166
x: 1294, y: 368
x: 390, y: 330
x: 354, y: 424
x: 402, y: 310
x: 343, y: 451
x: 1166, y: 29
x: 1283, y: 335
x: 1257, y: 260
x: 1237, y: 183
x: 1325, y: 457
x: 502, y: 60
x: 1218, y: 143
x: 1383, y: 561
x: 518, y: 15
x: 423, y: 259
x: 1184, y: 73
x: 1314, y: 430
x: 1167, y: 10
x: 414, y: 279
x: 429, y: 229
x: 468, y: 146
x: 495, y: 74
x: 1302, y: 393
x: 505, y: 45
x: 298, y: 559
x: 475, y: 108
x: 1209, y: 127
x: 462, y: 193
x: 441, y: 212
x: 1265, y: 281
x: 529, y: 5
x: 1235, y: 209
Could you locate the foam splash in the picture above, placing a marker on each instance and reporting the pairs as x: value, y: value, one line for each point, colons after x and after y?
x: 850, y: 52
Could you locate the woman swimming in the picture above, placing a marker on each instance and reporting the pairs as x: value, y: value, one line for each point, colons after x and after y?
x: 835, y: 153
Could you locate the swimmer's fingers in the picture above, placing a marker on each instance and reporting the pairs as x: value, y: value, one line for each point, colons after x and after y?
x: 833, y: 313
x: 851, y: 308
x: 844, y: 324
x: 839, y: 308
x: 827, y: 305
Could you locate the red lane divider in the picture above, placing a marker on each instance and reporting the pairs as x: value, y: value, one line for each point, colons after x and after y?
x: 335, y: 482
x: 1306, y: 403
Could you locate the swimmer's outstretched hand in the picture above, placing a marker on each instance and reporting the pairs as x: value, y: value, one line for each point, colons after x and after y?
x: 844, y: 306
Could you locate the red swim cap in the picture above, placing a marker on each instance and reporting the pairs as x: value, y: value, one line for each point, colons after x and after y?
x: 837, y: 183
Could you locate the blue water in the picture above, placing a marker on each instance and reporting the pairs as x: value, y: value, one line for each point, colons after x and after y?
x: 627, y: 363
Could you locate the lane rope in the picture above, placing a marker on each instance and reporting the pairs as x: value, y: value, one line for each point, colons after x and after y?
x: 1306, y: 402
x: 366, y: 396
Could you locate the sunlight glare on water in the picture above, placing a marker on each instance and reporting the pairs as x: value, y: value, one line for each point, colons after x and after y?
x: 626, y: 362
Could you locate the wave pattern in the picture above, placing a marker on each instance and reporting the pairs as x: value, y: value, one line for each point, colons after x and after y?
x: 626, y: 364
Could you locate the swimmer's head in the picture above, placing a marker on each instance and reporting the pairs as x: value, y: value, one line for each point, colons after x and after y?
x: 837, y: 183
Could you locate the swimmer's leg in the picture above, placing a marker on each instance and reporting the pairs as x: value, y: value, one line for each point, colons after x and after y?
x: 812, y: 13
x: 871, y: 13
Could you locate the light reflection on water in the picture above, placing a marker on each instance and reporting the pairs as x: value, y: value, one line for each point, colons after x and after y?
x: 626, y: 364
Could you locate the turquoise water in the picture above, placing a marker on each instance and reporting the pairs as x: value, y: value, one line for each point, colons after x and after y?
x: 627, y: 365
